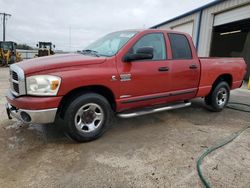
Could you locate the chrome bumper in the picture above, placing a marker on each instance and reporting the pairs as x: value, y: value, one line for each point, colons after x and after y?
x: 32, y: 116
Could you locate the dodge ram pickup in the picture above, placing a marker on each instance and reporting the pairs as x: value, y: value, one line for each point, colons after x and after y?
x: 125, y: 74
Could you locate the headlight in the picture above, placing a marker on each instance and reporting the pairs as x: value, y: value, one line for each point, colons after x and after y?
x: 45, y: 85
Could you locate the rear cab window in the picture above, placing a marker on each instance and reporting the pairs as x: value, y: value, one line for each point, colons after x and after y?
x: 180, y: 46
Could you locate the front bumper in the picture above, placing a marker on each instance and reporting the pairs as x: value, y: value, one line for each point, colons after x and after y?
x: 44, y: 116
x: 30, y: 109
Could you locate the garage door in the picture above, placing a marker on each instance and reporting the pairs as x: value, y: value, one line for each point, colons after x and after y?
x: 187, y: 28
x: 233, y: 15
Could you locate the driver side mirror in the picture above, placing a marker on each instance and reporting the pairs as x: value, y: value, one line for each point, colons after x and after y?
x: 140, y: 54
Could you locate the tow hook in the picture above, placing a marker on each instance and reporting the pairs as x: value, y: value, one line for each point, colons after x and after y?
x: 8, y: 111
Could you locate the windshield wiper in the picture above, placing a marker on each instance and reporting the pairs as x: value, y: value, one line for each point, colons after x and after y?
x: 92, y: 52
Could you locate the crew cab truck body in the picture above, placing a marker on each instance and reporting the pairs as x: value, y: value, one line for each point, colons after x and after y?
x: 126, y: 73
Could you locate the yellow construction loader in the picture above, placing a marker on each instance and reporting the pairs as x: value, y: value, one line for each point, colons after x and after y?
x: 8, y: 53
x: 45, y: 49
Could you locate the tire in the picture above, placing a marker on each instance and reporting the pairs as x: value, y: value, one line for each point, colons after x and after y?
x: 208, y: 100
x: 87, y: 117
x: 219, y: 97
x: 12, y: 60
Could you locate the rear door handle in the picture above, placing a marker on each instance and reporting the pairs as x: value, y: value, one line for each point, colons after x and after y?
x: 163, y: 69
x: 193, y: 66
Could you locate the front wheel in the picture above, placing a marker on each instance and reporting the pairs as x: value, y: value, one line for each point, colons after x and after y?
x: 219, y: 97
x: 87, y: 117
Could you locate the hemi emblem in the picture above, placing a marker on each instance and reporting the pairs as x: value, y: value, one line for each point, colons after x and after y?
x: 125, y: 77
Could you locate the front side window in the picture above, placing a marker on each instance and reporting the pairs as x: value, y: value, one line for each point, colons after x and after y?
x: 180, y: 46
x: 154, y: 40
x: 110, y: 44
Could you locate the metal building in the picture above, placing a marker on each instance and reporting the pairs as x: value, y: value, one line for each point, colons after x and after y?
x: 219, y: 29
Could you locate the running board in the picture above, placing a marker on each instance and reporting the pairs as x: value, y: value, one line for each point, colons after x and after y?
x: 152, y: 110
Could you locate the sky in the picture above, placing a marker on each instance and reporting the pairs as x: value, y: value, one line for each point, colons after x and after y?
x: 72, y: 25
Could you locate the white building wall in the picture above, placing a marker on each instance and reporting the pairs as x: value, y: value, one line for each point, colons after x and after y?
x: 186, y: 27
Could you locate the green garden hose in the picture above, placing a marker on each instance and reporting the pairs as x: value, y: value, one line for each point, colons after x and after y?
x: 215, y: 147
x: 231, y: 106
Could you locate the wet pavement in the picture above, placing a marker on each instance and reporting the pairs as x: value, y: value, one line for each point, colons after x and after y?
x: 158, y: 150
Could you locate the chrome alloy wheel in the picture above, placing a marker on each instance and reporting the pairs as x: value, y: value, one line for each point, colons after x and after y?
x: 89, y: 117
x: 222, y: 97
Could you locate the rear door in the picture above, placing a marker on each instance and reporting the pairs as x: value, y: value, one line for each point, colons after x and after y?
x: 185, y: 67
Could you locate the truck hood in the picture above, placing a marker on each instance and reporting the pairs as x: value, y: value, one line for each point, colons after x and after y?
x: 58, y: 61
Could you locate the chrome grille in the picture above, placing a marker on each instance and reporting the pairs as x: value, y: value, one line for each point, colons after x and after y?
x: 17, y: 80
x: 14, y: 76
x: 16, y: 87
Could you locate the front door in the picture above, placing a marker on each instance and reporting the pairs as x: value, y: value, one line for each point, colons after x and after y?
x: 145, y: 81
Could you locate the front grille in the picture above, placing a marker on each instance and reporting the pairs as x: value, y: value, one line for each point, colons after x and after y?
x: 17, y: 80
x: 14, y: 76
x: 16, y: 87
x: 14, y: 83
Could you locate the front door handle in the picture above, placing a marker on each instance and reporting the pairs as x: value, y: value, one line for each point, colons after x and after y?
x: 163, y: 69
x: 193, y: 66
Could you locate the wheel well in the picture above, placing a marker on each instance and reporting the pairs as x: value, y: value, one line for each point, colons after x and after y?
x: 102, y: 90
x: 224, y: 77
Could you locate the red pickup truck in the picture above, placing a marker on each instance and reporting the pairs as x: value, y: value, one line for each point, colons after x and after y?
x: 126, y: 73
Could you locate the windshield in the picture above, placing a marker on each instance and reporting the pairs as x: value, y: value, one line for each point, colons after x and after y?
x: 6, y: 45
x: 45, y: 45
x: 110, y: 44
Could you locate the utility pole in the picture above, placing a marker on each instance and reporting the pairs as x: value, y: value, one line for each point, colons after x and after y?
x: 5, y: 15
x: 70, y: 38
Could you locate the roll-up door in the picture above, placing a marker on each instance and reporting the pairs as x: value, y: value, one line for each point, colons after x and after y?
x: 233, y: 15
x: 187, y: 28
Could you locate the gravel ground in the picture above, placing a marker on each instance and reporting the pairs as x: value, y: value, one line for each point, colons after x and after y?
x: 158, y: 150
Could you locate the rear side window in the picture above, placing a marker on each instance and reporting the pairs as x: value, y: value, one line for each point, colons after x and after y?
x: 180, y: 46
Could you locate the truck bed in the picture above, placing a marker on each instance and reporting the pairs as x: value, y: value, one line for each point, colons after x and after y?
x: 212, y: 67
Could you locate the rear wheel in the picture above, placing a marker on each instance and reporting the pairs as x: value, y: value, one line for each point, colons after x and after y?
x: 219, y: 97
x: 87, y: 117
